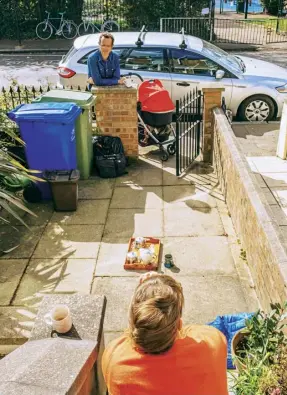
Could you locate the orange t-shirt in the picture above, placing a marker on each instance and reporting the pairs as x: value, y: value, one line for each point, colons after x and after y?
x: 195, y: 365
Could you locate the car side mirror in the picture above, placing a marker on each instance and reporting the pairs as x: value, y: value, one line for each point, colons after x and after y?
x: 219, y: 74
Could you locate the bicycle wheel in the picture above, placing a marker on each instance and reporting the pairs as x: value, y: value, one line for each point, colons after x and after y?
x: 110, y: 26
x: 44, y: 30
x: 69, y: 30
x: 87, y: 28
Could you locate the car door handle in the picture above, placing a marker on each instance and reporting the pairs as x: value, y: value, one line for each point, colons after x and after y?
x: 182, y: 84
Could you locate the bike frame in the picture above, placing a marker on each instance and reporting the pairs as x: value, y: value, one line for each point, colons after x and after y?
x: 48, y: 22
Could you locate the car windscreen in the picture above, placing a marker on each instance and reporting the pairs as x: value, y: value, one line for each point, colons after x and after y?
x: 221, y: 56
x: 68, y: 55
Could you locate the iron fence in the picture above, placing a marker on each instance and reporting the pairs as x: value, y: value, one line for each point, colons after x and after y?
x: 232, y: 31
x: 198, y: 27
x: 16, y: 95
x: 189, y: 129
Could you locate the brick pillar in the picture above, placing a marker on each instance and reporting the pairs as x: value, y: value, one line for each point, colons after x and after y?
x: 212, y: 99
x: 116, y: 112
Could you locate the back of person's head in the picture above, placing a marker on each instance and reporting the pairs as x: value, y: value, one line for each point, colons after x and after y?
x: 155, y: 314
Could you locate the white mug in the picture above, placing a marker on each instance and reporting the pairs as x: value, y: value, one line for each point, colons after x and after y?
x: 59, y: 318
x: 146, y: 255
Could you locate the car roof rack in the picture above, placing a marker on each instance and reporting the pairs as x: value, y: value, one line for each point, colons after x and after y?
x: 139, y: 41
x: 182, y: 45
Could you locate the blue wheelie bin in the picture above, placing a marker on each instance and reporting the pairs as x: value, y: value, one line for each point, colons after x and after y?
x: 48, y: 130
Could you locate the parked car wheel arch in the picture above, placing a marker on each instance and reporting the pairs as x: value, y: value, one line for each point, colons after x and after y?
x: 249, y: 102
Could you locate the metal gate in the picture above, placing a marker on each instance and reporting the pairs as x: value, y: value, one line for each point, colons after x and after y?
x: 276, y: 31
x: 189, y: 129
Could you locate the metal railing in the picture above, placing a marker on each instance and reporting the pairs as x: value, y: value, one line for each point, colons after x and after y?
x: 16, y: 95
x: 231, y: 31
x: 198, y: 27
x: 189, y: 129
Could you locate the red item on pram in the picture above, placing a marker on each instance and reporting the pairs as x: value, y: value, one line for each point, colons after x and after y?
x: 154, y: 98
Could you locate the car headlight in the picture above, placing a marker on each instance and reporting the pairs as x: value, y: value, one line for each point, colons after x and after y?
x: 282, y: 89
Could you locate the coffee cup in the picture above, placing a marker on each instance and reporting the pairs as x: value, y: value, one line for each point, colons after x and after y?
x: 139, y: 242
x: 146, y: 255
x: 59, y: 318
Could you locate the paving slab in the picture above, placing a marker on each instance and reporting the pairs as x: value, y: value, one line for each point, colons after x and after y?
x: 49, y: 276
x: 270, y: 196
x: 20, y: 236
x: 137, y: 197
x: 11, y: 271
x: 280, y: 194
x: 209, y: 296
x: 110, y: 336
x: 89, y: 212
x: 151, y: 176
x: 278, y: 215
x: 69, y: 241
x: 180, y: 222
x: 269, y: 164
x: 192, y: 257
x: 16, y: 324
x: 125, y: 223
x: 118, y: 291
x: 96, y: 188
x: 274, y: 180
x: 111, y: 258
x: 205, y: 298
x: 187, y: 196
x: 43, y: 210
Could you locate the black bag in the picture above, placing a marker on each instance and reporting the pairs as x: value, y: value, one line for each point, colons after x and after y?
x: 109, y: 157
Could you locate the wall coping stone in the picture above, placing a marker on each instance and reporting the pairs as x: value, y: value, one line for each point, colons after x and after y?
x: 62, y: 364
x: 257, y: 199
x: 113, y: 89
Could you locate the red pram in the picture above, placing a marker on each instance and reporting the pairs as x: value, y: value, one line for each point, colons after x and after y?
x: 155, y: 110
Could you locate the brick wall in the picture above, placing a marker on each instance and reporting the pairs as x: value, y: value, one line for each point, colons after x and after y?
x: 116, y: 112
x: 211, y: 100
x: 251, y: 216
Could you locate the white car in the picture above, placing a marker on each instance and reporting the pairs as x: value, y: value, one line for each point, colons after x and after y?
x: 254, y: 90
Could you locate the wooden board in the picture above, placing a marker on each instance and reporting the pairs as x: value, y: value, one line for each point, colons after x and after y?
x: 138, y: 265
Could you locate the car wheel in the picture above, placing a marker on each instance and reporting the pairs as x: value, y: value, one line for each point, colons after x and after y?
x: 257, y: 109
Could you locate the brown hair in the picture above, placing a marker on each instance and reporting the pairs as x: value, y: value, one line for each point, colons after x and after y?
x: 106, y: 35
x: 155, y: 313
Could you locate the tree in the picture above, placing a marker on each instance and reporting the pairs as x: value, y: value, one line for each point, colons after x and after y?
x: 149, y: 12
x: 272, y: 6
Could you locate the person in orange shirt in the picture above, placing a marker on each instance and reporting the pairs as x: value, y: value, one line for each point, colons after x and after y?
x: 156, y: 355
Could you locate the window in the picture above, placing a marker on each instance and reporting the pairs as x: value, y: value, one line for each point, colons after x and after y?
x: 148, y: 59
x: 71, y: 53
x: 121, y: 52
x: 187, y: 62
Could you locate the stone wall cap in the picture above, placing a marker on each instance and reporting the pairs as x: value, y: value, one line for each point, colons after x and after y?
x: 87, y: 313
x: 48, y: 363
x: 217, y: 89
x: 113, y: 89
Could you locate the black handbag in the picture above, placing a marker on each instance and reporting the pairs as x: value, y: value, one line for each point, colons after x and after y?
x: 109, y: 157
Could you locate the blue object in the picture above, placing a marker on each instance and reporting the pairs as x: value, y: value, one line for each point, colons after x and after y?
x: 48, y: 130
x: 104, y: 72
x: 229, y: 325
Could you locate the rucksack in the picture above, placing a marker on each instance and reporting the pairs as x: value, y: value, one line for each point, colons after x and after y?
x: 109, y: 157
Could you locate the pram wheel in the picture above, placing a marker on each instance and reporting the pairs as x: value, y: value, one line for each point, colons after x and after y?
x: 171, y: 149
x: 164, y: 156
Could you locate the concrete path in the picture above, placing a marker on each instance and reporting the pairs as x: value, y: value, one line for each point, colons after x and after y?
x: 84, y: 251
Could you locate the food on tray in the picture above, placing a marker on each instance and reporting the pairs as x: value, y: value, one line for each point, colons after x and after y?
x: 143, y: 254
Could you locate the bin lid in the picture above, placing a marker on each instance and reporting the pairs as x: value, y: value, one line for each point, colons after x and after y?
x: 61, y: 175
x: 48, y: 112
x: 82, y: 99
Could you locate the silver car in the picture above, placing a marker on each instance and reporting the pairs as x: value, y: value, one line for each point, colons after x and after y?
x: 254, y: 90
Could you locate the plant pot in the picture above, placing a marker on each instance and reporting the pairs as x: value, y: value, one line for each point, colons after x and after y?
x: 237, y: 338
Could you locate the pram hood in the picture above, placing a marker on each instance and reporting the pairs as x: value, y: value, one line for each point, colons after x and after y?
x: 154, y: 98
